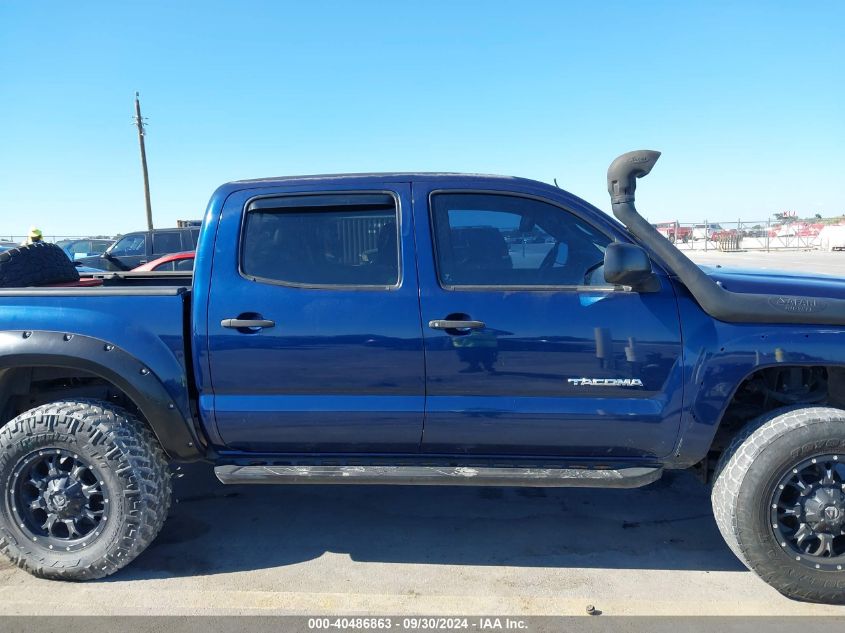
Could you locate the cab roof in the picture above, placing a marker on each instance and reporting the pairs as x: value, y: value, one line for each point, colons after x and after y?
x: 385, y: 177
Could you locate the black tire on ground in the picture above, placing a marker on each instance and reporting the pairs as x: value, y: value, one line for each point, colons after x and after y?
x: 123, y: 460
x: 36, y: 264
x: 750, y: 473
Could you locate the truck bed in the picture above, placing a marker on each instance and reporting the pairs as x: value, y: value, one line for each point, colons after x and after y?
x: 113, y: 283
x: 141, y: 315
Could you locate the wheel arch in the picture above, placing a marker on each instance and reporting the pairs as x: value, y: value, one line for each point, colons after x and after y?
x: 828, y: 380
x: 169, y: 418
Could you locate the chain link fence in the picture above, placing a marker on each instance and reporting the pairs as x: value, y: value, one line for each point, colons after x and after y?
x: 759, y: 235
x: 20, y: 239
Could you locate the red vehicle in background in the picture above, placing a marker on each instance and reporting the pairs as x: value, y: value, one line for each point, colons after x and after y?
x: 173, y: 262
x: 674, y: 231
x: 723, y: 233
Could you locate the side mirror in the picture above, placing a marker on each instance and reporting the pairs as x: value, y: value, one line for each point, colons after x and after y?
x: 629, y: 265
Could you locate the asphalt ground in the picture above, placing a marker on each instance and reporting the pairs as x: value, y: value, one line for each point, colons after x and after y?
x: 796, y: 261
x: 439, y: 550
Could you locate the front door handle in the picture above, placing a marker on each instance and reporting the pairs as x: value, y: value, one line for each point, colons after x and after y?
x: 245, y: 324
x: 448, y: 324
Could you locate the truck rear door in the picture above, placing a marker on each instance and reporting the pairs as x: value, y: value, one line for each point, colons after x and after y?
x: 314, y: 333
x: 528, y: 350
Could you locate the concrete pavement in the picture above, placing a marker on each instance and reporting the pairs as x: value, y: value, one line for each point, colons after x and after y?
x: 417, y: 550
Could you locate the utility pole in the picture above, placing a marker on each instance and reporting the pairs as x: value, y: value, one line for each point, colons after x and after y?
x: 139, y: 122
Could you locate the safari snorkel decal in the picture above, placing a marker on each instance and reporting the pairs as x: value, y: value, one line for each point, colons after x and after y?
x: 801, y: 305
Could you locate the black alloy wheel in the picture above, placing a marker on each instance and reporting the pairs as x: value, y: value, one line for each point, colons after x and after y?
x: 58, y: 499
x: 808, y: 512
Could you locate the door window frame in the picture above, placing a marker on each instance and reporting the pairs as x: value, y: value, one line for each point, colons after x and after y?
x: 506, y: 288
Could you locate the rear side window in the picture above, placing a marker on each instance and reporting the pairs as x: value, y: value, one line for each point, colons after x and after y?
x: 333, y: 240
x: 167, y: 242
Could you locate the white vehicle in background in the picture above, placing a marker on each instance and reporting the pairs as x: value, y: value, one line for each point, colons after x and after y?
x: 705, y: 231
x: 832, y: 238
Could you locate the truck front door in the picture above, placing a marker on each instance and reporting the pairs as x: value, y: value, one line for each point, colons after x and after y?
x: 528, y: 350
x: 314, y: 334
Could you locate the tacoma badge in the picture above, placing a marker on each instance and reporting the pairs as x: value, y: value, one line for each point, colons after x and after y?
x: 605, y: 382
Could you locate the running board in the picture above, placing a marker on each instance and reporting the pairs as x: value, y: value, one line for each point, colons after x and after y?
x: 633, y: 477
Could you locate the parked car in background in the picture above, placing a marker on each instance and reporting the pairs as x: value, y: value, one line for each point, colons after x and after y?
x: 705, y: 231
x: 87, y: 247
x: 723, y: 233
x: 176, y: 262
x: 134, y: 249
x: 673, y: 231
x: 755, y: 231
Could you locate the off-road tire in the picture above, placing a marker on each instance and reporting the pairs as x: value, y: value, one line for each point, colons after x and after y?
x: 36, y: 264
x: 133, y: 468
x: 746, y: 476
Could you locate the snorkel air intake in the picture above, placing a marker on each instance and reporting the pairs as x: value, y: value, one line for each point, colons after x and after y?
x: 716, y: 301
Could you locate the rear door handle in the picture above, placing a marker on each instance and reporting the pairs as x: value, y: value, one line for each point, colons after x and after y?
x: 447, y: 324
x: 238, y: 324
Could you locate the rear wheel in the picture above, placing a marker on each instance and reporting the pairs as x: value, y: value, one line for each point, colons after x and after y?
x: 779, y: 501
x: 86, y: 488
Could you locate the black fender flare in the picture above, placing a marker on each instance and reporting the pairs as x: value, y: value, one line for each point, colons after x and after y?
x: 171, y: 421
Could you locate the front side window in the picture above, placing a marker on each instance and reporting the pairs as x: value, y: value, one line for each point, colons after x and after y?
x: 323, y: 241
x: 509, y: 241
x: 130, y: 245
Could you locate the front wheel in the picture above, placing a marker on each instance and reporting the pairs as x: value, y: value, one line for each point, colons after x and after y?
x: 85, y: 489
x: 779, y: 501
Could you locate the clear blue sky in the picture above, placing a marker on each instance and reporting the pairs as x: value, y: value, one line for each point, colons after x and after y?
x: 745, y: 99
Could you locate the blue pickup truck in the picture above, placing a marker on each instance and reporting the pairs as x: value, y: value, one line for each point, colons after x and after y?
x: 455, y: 329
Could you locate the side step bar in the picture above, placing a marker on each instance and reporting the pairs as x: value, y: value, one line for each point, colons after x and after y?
x: 633, y: 477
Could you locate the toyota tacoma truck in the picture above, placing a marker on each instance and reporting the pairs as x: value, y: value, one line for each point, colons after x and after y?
x: 455, y: 329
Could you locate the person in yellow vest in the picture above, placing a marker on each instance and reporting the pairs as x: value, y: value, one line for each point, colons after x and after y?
x: 33, y: 237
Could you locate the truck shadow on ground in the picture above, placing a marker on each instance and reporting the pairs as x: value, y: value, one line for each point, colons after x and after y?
x: 216, y: 529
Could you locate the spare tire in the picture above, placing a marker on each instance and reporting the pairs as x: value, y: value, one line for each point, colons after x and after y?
x: 36, y: 264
